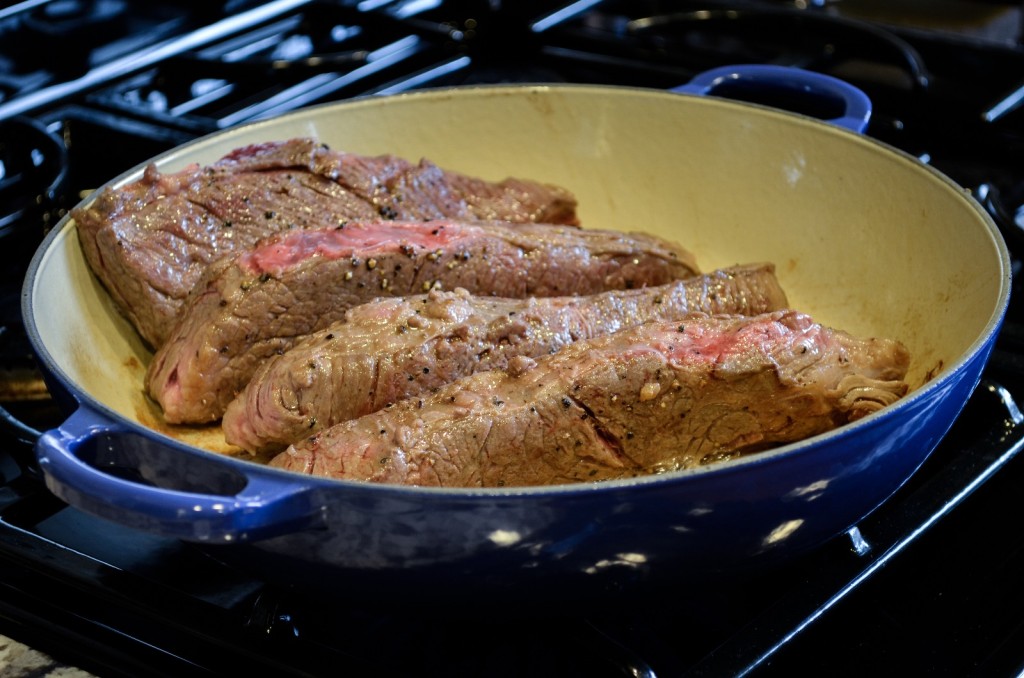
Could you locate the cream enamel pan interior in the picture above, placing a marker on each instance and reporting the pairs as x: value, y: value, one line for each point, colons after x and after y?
x: 864, y: 238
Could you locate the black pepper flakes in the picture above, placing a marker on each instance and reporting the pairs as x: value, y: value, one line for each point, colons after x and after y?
x: 269, y: 214
x: 566, y: 402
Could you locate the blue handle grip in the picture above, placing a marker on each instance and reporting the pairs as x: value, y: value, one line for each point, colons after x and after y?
x: 786, y: 79
x: 221, y: 503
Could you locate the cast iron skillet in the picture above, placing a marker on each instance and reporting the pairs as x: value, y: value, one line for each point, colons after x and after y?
x: 864, y: 238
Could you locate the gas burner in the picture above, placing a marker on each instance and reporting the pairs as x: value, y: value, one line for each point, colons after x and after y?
x: 33, y: 165
x: 72, y: 25
x: 323, y: 52
x: 62, y: 19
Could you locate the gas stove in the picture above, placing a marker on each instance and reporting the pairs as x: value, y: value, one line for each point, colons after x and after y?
x: 928, y: 584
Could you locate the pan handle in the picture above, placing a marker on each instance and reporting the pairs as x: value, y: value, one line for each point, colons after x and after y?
x: 112, y: 472
x: 839, y: 102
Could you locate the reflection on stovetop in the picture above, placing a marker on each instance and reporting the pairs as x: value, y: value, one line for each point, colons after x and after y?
x: 129, y: 604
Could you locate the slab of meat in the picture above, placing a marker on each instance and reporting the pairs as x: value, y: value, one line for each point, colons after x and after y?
x: 391, y: 349
x: 253, y: 305
x: 657, y: 397
x: 149, y: 241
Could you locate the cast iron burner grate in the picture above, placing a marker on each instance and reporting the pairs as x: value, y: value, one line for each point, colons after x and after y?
x: 33, y: 167
x: 322, y: 52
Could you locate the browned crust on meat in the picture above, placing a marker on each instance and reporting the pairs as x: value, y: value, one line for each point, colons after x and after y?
x: 391, y: 349
x: 149, y: 241
x: 242, y: 313
x: 655, y: 398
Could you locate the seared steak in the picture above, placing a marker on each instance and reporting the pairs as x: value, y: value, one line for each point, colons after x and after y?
x: 390, y: 349
x: 657, y: 397
x: 252, y: 305
x: 149, y: 241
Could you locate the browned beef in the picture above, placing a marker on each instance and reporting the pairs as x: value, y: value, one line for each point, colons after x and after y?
x: 391, y: 349
x: 657, y: 397
x: 252, y: 305
x: 149, y: 241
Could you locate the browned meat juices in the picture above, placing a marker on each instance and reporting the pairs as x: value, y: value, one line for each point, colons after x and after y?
x: 657, y: 397
x: 389, y: 349
x: 150, y: 241
x: 253, y: 305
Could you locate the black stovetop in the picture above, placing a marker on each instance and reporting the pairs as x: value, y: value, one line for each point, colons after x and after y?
x: 929, y: 584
